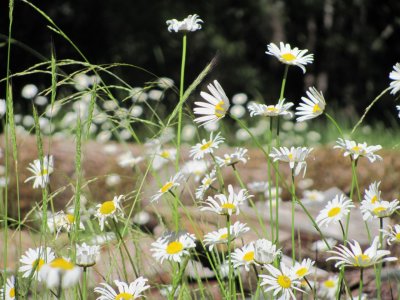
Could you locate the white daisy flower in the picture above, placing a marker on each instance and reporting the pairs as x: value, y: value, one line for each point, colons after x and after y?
x: 379, y: 209
x: 29, y: 91
x: 373, y: 194
x: 334, y: 211
x: 33, y: 260
x: 60, y: 271
x: 243, y: 256
x: 170, y: 184
x: 240, y: 155
x: 61, y: 220
x: 86, y: 256
x: 258, y: 186
x: 226, y: 205
x: 312, y: 106
x: 8, y: 292
x: 395, y: 76
x: 304, y: 268
x: 328, y: 288
x: 127, y: 160
x: 109, y: 209
x: 392, y: 234
x: 190, y: 23
x: 320, y: 245
x: 3, y: 107
x: 280, y: 109
x: 132, y: 291
x: 206, y: 146
x: 356, y: 150
x: 221, y: 235
x: 285, y: 54
x: 353, y: 256
x: 197, y: 168
x: 265, y: 251
x: 173, y: 246
x: 295, y: 157
x: 281, y: 281
x: 312, y: 197
x: 206, y: 182
x: 215, y: 108
x: 41, y: 176
x: 162, y: 157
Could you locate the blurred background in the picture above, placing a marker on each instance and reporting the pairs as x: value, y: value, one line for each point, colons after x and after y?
x: 355, y: 43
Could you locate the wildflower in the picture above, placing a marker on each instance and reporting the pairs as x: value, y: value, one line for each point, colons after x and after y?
x: 215, y: 107
x: 60, y: 271
x: 265, y: 252
x: 109, y: 209
x: 171, y: 183
x: 8, y: 292
x: 281, y: 280
x: 33, y: 260
x: 258, y: 186
x: 313, y: 196
x: 356, y: 150
x: 372, y: 194
x: 29, y: 91
x: 165, y: 83
x: 335, y: 210
x: 197, y: 168
x: 163, y: 156
x: 41, y: 172
x: 200, y: 149
x: 243, y: 256
x: 221, y: 235
x: 285, y: 54
x: 321, y: 246
x: 239, y: 99
x: 355, y: 257
x: 132, y: 291
x: 113, y: 180
x: 206, y: 182
x: 392, y: 234
x: 280, y: 109
x: 86, y: 256
x: 127, y: 160
x: 295, y: 157
x: 304, y: 268
x: 172, y: 246
x: 231, y: 159
x: 61, y: 220
x: 3, y: 107
x: 312, y: 106
x: 328, y: 288
x: 227, y: 205
x: 379, y: 209
x: 238, y: 111
x: 395, y: 76
x: 190, y: 23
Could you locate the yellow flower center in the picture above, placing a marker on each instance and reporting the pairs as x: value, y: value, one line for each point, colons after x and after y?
x: 302, y: 271
x: 228, y: 206
x: 374, y: 199
x: 166, y: 187
x: 206, y: 146
x: 329, y: 283
x: 207, y: 182
x: 12, y: 293
x: 290, y: 156
x: 165, y: 154
x: 361, y: 259
x: 219, y: 111
x: 378, y: 209
x: 44, y: 172
x: 316, y: 109
x: 397, y: 236
x: 38, y: 263
x: 249, y: 256
x: 107, y: 208
x: 356, y: 149
x: 174, y: 247
x: 70, y: 218
x: 272, y: 109
x: 288, y: 57
x: 223, y: 236
x: 334, y: 212
x: 61, y: 263
x: 124, y: 296
x: 284, y: 281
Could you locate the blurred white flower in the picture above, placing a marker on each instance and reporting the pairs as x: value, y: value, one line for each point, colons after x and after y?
x: 110, y: 105
x: 136, y: 111
x: 188, y: 132
x: 138, y: 94
x: 29, y: 91
x: 240, y: 98
x: 165, y: 83
x: 60, y: 272
x: 395, y: 77
x: 103, y: 136
x: 155, y: 95
x: 237, y: 111
x: 190, y: 23
x: 28, y: 121
x: 82, y: 81
x: 321, y: 246
x: 3, y: 107
x: 242, y: 135
x: 113, y: 180
x: 41, y: 100
x: 127, y: 160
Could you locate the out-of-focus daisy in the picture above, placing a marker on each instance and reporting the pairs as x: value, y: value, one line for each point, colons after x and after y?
x: 109, y: 209
x: 206, y: 146
x: 125, y: 292
x: 258, y: 186
x: 60, y: 272
x: 294, y: 156
x: 334, y: 211
x: 280, y: 109
x: 165, y: 83
x: 62, y: 221
x: 353, y: 256
x: 127, y: 160
x: 33, y: 260
x: 356, y: 150
x: 206, y: 182
x: 373, y: 194
x: 197, y: 168
x: 171, y: 183
x: 392, y: 234
x: 312, y: 106
x: 239, y: 99
x: 3, y: 107
x: 265, y: 251
x: 281, y: 281
x: 240, y: 155
x: 29, y: 91
x: 313, y: 196
x: 395, y: 76
x: 190, y: 23
x: 104, y: 238
x: 172, y: 246
x: 320, y: 245
x: 163, y: 156
x: 41, y: 175
x: 302, y: 269
x: 226, y: 205
x: 289, y: 56
x: 243, y: 256
x: 8, y: 292
x: 221, y: 235
x: 328, y: 288
x: 86, y: 255
x: 216, y: 106
x: 379, y: 209
x: 398, y: 110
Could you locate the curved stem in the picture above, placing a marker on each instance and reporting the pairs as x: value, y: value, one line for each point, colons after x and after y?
x: 335, y: 124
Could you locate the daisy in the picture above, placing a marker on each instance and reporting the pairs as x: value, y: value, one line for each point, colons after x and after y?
x: 172, y: 246
x: 33, y: 260
x: 265, y: 252
x: 61, y: 220
x: 41, y: 175
x: 86, y: 256
x: 226, y: 205
x: 190, y: 23
x: 231, y: 159
x: 215, y: 108
x: 127, y: 160
x: 171, y: 183
x: 334, y: 211
x: 109, y: 209
x: 206, y: 182
x: 132, y: 291
x: 197, y: 168
x: 285, y: 54
x: 8, y: 292
x: 295, y: 157
x: 372, y: 194
x: 303, y: 269
x: 392, y: 234
x: 328, y: 288
x: 206, y: 146
x: 395, y: 76
x: 312, y: 106
x: 320, y: 245
x: 162, y: 157
x: 356, y: 150
x: 221, y: 235
x: 60, y: 272
x: 312, y: 197
x: 355, y: 257
x: 379, y: 209
x: 243, y: 256
x: 281, y: 280
x: 280, y: 109
x: 258, y: 186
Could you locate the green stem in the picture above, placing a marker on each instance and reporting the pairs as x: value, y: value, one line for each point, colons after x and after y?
x: 84, y: 284
x: 178, y: 280
x: 379, y: 268
x: 335, y: 124
x: 283, y: 83
x: 361, y: 285
x: 293, y: 205
x: 228, y: 226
